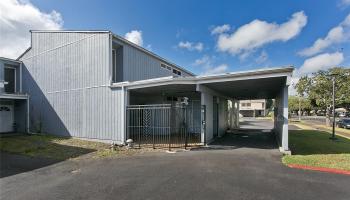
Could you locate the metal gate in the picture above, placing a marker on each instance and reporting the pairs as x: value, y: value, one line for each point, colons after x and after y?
x: 166, y: 125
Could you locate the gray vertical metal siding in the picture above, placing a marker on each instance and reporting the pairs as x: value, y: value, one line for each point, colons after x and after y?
x: 68, y: 78
x: 139, y: 66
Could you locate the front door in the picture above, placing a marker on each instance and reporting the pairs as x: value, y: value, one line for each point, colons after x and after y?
x: 6, y: 118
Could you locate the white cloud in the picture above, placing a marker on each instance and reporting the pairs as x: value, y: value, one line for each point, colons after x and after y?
x: 135, y: 36
x: 320, y: 62
x: 205, y: 60
x: 344, y: 3
x: 217, y: 70
x: 338, y: 34
x: 262, y: 57
x: 257, y: 33
x: 206, y: 63
x: 191, y: 46
x: 149, y: 47
x: 16, y: 19
x: 294, y: 80
x: 221, y: 29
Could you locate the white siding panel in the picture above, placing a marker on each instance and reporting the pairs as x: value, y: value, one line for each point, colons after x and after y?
x: 67, y: 76
x: 139, y: 66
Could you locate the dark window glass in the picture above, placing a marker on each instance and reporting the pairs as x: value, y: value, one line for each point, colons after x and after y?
x: 114, y: 64
x: 9, y: 80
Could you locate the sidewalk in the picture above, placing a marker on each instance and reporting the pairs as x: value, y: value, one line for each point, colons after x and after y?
x: 309, y: 125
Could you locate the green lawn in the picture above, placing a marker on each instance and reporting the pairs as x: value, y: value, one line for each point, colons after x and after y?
x: 314, y: 148
x: 59, y: 148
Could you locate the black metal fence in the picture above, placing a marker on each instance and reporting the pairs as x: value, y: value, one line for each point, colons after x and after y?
x: 165, y: 125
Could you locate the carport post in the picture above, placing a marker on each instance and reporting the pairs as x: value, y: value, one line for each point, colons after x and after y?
x: 285, y: 118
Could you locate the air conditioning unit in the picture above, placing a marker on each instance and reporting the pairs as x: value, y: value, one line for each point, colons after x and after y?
x: 184, y: 101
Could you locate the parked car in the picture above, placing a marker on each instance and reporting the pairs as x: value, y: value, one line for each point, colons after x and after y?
x: 341, y: 114
x: 343, y: 123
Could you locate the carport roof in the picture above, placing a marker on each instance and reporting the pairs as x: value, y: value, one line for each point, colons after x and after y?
x: 261, y: 83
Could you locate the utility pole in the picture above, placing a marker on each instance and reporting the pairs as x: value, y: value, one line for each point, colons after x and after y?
x: 333, y: 102
x: 299, y: 109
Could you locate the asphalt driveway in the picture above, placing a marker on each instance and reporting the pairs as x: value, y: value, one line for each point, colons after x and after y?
x: 242, y: 172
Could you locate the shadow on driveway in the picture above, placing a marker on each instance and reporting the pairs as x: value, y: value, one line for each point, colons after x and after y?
x: 252, y: 138
x: 12, y: 164
x: 22, y: 153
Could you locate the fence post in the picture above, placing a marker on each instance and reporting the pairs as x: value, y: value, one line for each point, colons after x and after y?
x: 153, y: 117
x: 185, y: 126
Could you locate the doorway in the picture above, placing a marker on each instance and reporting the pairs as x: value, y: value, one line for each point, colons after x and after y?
x: 6, y: 118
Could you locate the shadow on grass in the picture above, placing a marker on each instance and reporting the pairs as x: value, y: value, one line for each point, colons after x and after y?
x: 309, y: 142
x: 28, y: 152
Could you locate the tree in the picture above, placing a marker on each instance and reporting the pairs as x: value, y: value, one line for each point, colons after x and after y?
x: 293, y: 104
x: 318, y: 88
x: 302, y: 87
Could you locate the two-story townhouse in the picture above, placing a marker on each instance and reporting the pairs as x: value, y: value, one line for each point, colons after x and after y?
x: 97, y: 85
x: 253, y: 108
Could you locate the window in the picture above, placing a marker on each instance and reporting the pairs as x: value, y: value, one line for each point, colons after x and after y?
x: 243, y: 104
x: 117, y: 64
x: 177, y: 72
x: 5, y: 108
x: 165, y: 66
x: 10, y: 79
x: 249, y: 104
x: 114, y: 65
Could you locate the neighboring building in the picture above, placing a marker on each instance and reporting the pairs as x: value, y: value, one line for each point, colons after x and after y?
x: 97, y: 85
x: 13, y: 101
x: 252, y: 108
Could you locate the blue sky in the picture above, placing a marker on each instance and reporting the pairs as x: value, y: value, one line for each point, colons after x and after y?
x: 273, y: 33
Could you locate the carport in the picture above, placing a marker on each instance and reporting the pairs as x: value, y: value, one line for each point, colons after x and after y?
x: 218, y: 95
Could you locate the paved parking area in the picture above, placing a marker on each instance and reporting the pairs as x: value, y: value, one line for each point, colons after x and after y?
x: 240, y: 172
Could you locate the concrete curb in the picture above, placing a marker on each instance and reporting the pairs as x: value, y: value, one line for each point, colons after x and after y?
x: 322, y: 169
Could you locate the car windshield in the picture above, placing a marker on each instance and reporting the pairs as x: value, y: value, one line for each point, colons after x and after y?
x: 346, y: 120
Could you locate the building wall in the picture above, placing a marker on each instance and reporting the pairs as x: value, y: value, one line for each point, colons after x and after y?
x: 258, y: 104
x: 68, y: 78
x: 137, y: 65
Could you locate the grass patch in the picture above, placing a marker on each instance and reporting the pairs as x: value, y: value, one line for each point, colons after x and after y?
x: 62, y: 148
x: 59, y: 148
x: 314, y: 148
